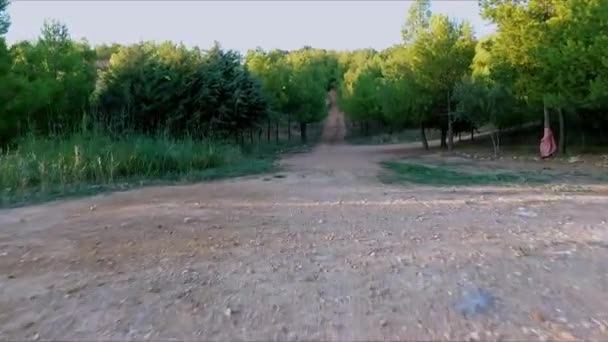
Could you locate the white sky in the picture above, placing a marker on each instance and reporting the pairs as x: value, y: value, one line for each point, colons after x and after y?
x: 240, y: 25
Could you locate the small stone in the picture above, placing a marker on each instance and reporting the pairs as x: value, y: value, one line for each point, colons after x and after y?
x: 309, y: 278
x: 537, y: 316
x: 75, y: 289
x: 228, y: 312
x: 124, y: 225
x: 383, y: 323
x: 92, y: 208
x: 28, y: 325
x: 565, y: 336
x: 188, y: 220
x: 154, y: 289
x: 523, y: 212
x: 36, y: 337
x: 474, y: 336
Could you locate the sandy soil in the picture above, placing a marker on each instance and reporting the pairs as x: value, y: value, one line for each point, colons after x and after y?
x: 322, y: 251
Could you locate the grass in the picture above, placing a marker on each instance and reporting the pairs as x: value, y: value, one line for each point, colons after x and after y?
x: 42, y: 169
x: 402, y: 172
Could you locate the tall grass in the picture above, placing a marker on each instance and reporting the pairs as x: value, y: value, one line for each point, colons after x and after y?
x: 47, y: 165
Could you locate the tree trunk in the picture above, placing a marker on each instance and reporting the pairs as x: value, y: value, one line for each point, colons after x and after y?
x: 494, y: 148
x: 268, y: 130
x: 425, y: 143
x: 498, y: 141
x: 289, y: 127
x: 276, y: 133
x: 472, y: 133
x: 251, y: 135
x: 450, y: 127
x: 547, y: 123
x: 260, y: 132
x: 562, y: 135
x: 239, y: 138
x: 303, y: 136
x: 443, y: 137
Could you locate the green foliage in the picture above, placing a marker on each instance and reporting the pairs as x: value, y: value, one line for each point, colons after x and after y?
x: 484, y: 102
x: 51, y: 83
x: 296, y: 83
x: 104, y: 52
x: 418, y: 20
x: 409, y: 86
x: 544, y: 53
x: 46, y: 166
x: 10, y: 88
x: 441, y: 57
x: 166, y: 88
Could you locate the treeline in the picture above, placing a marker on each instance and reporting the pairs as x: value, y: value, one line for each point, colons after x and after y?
x: 547, y: 58
x: 56, y: 86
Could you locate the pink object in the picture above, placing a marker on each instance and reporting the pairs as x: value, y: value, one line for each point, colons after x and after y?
x: 547, y: 144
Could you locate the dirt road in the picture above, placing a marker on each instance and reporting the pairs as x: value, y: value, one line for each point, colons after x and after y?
x: 321, y: 251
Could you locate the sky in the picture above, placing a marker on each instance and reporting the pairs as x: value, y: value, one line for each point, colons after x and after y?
x: 239, y: 25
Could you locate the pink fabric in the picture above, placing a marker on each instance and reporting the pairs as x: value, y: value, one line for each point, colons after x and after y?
x: 547, y: 144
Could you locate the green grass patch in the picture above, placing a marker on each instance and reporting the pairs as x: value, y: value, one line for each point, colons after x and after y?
x: 42, y: 169
x: 444, y: 175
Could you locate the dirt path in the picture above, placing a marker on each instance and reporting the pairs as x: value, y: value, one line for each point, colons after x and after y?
x: 325, y: 252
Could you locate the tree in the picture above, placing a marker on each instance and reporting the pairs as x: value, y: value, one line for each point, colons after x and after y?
x: 305, y: 95
x: 7, y: 82
x: 170, y: 89
x: 272, y: 69
x: 404, y: 103
x: 484, y: 102
x: 4, y: 18
x: 552, y: 47
x: 58, y: 76
x: 364, y: 102
x: 418, y: 20
x: 440, y: 58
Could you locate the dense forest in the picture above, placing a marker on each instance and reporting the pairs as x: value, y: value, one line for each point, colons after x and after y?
x: 545, y: 61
